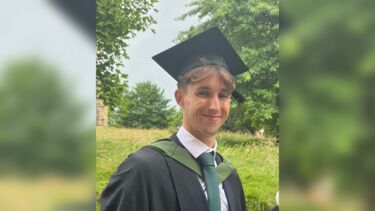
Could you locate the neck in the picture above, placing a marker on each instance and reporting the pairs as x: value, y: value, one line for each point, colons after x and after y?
x: 208, y: 140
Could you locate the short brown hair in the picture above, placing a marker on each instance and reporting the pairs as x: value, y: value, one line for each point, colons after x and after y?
x: 202, y: 72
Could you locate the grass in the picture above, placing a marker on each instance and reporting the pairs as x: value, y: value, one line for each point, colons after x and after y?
x: 256, y: 160
x: 47, y: 192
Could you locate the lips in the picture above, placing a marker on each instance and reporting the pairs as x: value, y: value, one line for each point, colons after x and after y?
x: 212, y: 117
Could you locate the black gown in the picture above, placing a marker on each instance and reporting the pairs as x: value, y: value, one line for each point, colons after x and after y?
x: 150, y: 181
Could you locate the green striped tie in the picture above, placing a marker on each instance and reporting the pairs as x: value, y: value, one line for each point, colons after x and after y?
x: 206, y: 161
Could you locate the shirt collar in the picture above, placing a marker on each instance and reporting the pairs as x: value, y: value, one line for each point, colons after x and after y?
x: 192, y: 144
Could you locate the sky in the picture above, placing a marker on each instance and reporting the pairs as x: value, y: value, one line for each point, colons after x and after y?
x: 140, y: 67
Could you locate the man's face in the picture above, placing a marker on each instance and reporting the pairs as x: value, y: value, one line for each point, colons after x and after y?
x: 205, y: 105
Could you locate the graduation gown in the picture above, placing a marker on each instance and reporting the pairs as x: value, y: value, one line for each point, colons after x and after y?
x: 150, y: 181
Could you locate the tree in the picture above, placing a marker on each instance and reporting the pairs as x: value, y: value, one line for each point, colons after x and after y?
x: 174, y: 119
x: 328, y: 115
x: 116, y: 114
x: 42, y: 127
x: 252, y: 27
x: 146, y: 107
x: 116, y: 22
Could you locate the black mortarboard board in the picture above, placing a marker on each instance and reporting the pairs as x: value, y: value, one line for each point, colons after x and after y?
x: 212, y: 46
x: 82, y: 12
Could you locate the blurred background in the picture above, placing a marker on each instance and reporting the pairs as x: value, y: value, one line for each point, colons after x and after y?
x: 327, y: 54
x: 47, y: 105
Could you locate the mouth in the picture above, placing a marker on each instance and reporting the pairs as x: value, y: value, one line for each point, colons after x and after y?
x: 212, y: 117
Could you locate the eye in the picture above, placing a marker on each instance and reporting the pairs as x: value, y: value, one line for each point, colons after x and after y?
x: 224, y: 96
x: 203, y: 93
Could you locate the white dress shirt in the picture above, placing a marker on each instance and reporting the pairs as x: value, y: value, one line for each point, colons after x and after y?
x: 196, y: 148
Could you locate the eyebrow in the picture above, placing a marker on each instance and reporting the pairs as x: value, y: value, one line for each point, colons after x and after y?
x: 208, y: 88
x: 203, y: 88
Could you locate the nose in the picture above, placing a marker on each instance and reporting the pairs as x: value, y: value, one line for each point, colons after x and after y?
x: 214, y: 103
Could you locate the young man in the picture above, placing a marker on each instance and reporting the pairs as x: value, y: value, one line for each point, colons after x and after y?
x: 185, y: 172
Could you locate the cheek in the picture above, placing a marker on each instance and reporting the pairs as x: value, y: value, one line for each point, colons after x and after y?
x: 226, y: 108
x: 226, y: 105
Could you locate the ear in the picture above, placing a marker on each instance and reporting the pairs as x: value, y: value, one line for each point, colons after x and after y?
x: 179, y: 96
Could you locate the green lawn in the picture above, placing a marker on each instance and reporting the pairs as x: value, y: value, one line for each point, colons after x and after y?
x: 257, y: 161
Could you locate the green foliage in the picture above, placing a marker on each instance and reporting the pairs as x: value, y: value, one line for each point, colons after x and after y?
x: 328, y: 95
x: 252, y: 27
x: 115, y: 115
x: 41, y: 124
x: 256, y: 161
x: 174, y: 119
x: 146, y: 107
x: 116, y: 22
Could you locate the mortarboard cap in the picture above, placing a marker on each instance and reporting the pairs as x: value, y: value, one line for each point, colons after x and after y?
x: 212, y: 46
x: 82, y: 12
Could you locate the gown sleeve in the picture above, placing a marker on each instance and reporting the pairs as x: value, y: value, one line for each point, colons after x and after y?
x: 126, y: 189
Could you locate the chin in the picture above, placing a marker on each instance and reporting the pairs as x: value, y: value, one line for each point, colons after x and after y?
x: 211, y: 132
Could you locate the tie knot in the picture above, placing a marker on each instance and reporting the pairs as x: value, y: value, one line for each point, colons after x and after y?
x: 206, y: 159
